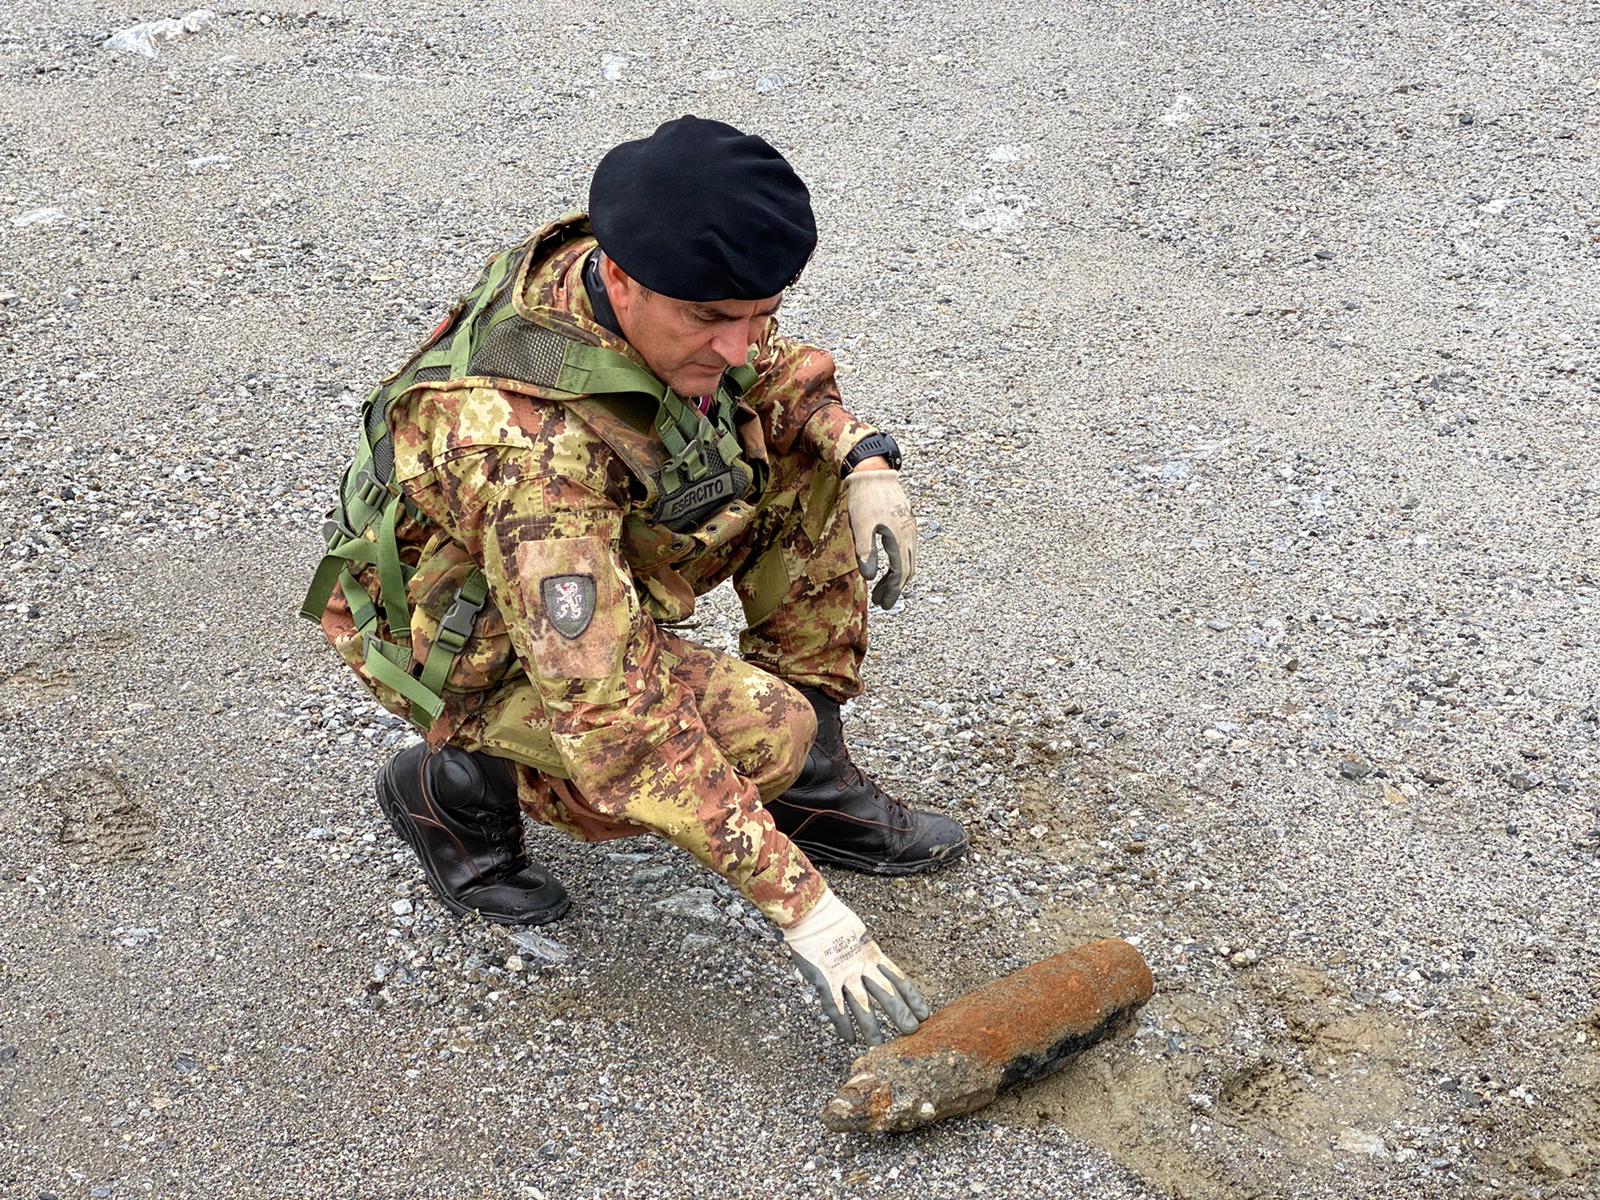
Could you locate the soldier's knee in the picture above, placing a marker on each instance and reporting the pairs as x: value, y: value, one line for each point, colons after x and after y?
x: 794, y: 737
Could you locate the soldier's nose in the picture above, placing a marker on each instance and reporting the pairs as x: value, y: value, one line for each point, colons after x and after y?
x: 731, y: 348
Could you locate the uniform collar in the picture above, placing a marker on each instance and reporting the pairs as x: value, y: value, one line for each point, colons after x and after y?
x: 599, y: 301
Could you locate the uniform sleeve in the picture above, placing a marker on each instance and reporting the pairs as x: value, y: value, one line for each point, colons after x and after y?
x: 628, y: 730
x: 797, y: 398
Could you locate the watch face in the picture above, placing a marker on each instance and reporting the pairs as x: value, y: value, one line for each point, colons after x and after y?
x: 890, y: 450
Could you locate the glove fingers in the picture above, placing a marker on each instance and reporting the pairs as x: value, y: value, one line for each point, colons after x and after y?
x: 888, y: 589
x: 909, y: 992
x: 862, y: 534
x: 841, y: 1023
x: 891, y: 546
x: 869, y: 564
x: 889, y: 1001
x: 871, y: 1034
x: 830, y: 1006
x: 887, y: 593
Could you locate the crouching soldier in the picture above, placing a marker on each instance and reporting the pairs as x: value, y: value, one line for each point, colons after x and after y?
x: 606, y: 427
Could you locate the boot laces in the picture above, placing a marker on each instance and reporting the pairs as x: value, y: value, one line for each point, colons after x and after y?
x: 852, y: 775
x: 507, y: 830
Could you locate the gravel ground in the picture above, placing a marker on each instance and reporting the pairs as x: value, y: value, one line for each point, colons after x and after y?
x: 1245, y: 360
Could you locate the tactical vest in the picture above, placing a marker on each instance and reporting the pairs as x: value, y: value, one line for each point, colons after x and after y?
x: 689, y: 466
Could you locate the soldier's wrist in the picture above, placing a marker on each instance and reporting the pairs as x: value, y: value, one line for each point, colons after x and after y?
x: 832, y: 432
x: 876, y: 448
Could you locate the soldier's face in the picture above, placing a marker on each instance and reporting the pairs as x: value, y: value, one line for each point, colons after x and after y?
x: 687, y: 345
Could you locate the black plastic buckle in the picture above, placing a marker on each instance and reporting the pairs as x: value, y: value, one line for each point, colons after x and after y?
x: 456, y: 627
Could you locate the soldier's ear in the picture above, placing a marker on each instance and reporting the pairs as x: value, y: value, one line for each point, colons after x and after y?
x: 619, y: 284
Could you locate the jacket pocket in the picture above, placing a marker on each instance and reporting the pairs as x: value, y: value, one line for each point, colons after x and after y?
x: 488, y: 657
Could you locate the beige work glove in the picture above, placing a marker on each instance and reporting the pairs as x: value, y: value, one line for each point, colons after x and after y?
x: 836, y: 955
x: 879, y: 508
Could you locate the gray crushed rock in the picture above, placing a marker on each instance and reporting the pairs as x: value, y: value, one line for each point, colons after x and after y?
x: 1246, y: 369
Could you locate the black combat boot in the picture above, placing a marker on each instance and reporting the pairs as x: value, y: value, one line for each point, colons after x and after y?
x: 459, y: 812
x: 838, y: 815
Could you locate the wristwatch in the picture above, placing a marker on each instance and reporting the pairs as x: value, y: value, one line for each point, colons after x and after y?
x: 871, y: 446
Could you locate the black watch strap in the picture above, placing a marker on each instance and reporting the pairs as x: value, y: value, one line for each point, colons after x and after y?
x: 871, y: 446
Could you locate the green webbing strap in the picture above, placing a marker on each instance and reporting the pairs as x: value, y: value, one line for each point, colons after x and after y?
x: 392, y: 575
x: 674, y: 425
x: 461, y: 340
x: 363, y: 496
x: 439, y: 356
x: 744, y: 378
x: 387, y: 664
x: 327, y: 574
x: 454, y: 631
x: 684, y: 460
x: 507, y: 313
x: 390, y: 664
x: 728, y: 446
x: 321, y: 589
x: 362, y: 610
x: 593, y: 370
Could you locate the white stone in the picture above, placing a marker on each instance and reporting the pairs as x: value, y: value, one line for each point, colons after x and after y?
x: 537, y: 945
x: 38, y: 216
x: 1359, y: 1141
x: 988, y: 210
x: 141, y: 39
x: 1180, y: 114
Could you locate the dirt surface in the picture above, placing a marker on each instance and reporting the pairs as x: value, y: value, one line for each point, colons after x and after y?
x: 1245, y: 361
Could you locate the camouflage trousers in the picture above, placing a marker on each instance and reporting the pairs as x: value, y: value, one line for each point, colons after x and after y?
x: 754, y: 723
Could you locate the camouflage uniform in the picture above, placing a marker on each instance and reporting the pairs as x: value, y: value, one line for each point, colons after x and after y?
x: 627, y: 728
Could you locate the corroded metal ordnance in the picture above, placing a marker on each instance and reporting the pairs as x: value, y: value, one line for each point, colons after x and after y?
x: 1016, y: 1029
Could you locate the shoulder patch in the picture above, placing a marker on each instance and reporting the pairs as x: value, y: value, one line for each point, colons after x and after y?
x: 578, y: 611
x: 568, y: 602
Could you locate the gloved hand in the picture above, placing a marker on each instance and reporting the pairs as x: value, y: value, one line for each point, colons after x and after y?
x: 878, y: 507
x: 837, y: 957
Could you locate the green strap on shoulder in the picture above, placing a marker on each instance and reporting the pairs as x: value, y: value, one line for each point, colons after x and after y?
x: 744, y: 378
x: 488, y: 290
x: 594, y: 370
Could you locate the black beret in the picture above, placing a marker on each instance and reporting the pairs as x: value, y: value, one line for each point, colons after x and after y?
x: 700, y: 211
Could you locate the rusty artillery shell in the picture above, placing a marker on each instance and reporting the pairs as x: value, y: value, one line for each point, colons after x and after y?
x: 1018, y: 1028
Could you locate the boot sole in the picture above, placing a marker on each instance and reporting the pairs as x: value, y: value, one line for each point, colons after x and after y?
x: 829, y: 857
x: 399, y: 821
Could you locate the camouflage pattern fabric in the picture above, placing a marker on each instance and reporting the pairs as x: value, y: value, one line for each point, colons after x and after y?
x: 619, y: 726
